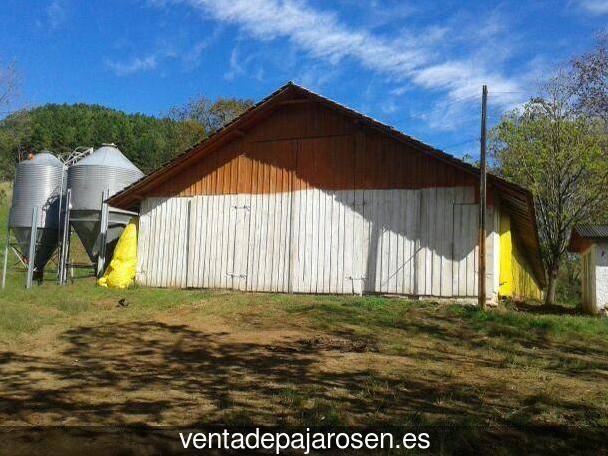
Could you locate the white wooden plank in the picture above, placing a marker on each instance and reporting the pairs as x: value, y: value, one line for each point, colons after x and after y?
x: 396, y: 279
x: 268, y: 233
x: 152, y: 270
x: 173, y: 240
x: 356, y: 249
x: 294, y: 226
x: 285, y: 264
x: 323, y: 243
x: 191, y: 240
x: 164, y: 215
x: 308, y: 245
x: 334, y: 243
x: 278, y: 244
x: 411, y: 224
x: 215, y: 260
x: 350, y: 263
x: 253, y: 264
x: 252, y: 260
x: 207, y: 215
x: 403, y: 260
x: 314, y: 247
x: 201, y: 234
x: 446, y: 242
x: 174, y: 237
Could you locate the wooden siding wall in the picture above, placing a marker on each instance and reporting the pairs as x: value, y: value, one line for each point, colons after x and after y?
x: 310, y: 201
x: 412, y: 242
x: 309, y: 146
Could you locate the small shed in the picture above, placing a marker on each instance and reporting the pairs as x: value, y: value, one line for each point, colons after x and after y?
x: 591, y: 241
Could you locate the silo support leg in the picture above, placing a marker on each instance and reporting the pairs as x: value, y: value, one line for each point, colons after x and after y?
x: 65, y: 240
x: 103, y: 232
x: 32, y: 251
x: 8, y: 238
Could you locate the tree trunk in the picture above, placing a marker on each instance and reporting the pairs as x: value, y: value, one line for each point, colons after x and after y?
x: 550, y: 297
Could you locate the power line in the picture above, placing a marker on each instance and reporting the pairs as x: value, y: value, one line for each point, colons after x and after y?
x: 417, y: 115
x: 509, y: 91
x: 461, y: 143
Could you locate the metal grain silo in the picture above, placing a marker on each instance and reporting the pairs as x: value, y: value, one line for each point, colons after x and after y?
x: 39, y: 182
x: 105, y: 169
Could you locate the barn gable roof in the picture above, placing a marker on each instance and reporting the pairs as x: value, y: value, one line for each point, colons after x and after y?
x: 516, y: 199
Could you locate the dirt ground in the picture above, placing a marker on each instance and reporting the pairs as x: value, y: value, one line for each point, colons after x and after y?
x: 244, y: 359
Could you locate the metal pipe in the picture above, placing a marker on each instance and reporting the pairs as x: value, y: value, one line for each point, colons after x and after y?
x: 65, y: 238
x: 8, y: 238
x: 59, y: 216
x: 32, y: 249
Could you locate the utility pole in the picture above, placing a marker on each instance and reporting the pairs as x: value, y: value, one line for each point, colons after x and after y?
x: 482, y: 200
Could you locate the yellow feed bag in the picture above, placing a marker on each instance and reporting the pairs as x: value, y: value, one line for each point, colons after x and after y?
x: 121, y: 271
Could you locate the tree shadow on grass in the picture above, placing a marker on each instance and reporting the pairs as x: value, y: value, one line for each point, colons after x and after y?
x: 155, y: 373
x: 546, y: 309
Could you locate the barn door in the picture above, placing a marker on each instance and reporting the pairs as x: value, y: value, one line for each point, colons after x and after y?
x: 386, y: 227
x: 218, y: 241
x: 465, y: 250
x: 241, y: 217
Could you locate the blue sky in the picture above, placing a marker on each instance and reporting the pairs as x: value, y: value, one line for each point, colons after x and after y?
x: 417, y: 66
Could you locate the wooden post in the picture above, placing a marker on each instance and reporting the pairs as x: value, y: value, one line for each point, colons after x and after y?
x: 32, y: 251
x: 482, y: 201
x: 103, y: 231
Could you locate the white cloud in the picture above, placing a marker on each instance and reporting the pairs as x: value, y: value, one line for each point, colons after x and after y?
x: 236, y: 68
x: 247, y: 64
x: 133, y: 66
x: 596, y: 7
x: 450, y: 60
x: 318, y: 33
x: 415, y: 58
x: 164, y: 50
x: 57, y: 13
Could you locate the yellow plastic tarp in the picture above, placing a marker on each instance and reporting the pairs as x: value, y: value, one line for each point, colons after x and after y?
x: 516, y: 277
x: 121, y: 271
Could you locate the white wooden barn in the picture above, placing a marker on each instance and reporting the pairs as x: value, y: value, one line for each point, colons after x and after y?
x: 303, y: 195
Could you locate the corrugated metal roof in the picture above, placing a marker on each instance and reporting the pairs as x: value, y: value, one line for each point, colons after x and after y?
x: 43, y: 158
x: 108, y: 155
x: 592, y: 231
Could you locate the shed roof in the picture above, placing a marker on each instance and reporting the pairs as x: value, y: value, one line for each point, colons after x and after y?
x: 583, y: 236
x: 517, y: 200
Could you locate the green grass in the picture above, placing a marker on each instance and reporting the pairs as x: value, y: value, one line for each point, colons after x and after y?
x: 509, y: 321
x: 23, y: 312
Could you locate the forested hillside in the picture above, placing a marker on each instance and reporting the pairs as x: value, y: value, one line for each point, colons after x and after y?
x: 146, y: 140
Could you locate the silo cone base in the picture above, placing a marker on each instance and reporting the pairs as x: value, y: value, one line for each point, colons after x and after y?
x: 47, y: 244
x: 87, y: 225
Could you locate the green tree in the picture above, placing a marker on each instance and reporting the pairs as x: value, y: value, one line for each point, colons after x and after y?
x: 590, y: 75
x: 559, y: 155
x: 147, y: 141
x: 212, y: 115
